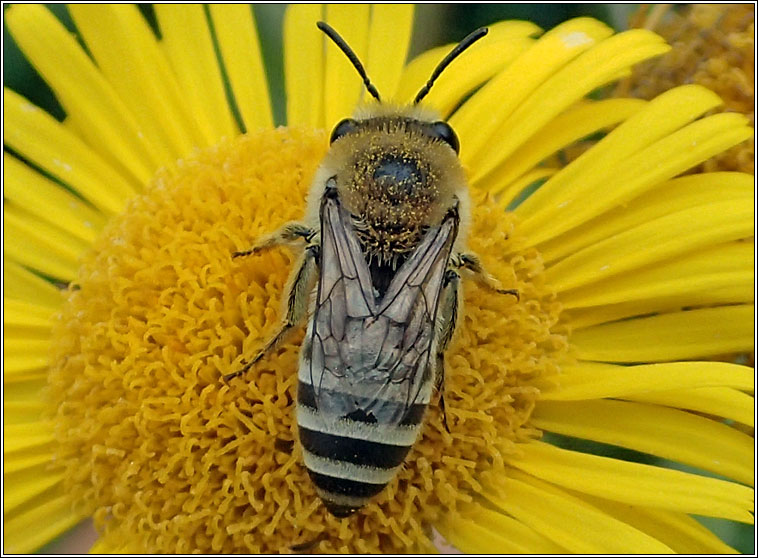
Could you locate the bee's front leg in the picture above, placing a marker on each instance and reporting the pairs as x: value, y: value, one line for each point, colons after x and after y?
x: 299, y: 287
x: 288, y: 233
x: 472, y: 263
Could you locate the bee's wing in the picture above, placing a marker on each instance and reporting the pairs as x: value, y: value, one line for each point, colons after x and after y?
x: 369, y: 360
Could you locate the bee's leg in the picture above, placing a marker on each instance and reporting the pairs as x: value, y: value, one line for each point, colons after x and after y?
x: 308, y: 545
x: 448, y: 313
x: 300, y: 285
x: 439, y: 387
x: 288, y: 233
x: 471, y: 262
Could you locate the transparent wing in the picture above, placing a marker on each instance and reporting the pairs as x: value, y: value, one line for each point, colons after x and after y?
x: 369, y: 357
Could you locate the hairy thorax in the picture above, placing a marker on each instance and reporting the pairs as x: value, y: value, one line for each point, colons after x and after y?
x: 396, y: 182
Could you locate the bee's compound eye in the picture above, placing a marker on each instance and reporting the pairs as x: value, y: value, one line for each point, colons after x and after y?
x: 443, y: 131
x: 346, y: 126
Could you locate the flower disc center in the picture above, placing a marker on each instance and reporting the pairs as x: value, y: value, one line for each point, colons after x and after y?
x: 170, y: 458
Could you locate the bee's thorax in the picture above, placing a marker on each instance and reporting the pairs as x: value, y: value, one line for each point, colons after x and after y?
x: 397, y: 181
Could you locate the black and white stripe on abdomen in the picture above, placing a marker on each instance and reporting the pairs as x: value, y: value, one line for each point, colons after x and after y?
x: 351, y: 459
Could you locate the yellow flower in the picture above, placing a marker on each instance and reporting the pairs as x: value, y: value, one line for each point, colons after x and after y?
x: 632, y: 283
x: 714, y: 46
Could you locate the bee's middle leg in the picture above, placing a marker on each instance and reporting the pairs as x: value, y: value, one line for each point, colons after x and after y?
x: 297, y: 304
x: 471, y: 262
x: 449, y: 305
x: 288, y: 233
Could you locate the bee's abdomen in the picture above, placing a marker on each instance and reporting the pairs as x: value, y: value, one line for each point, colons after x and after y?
x: 351, y: 458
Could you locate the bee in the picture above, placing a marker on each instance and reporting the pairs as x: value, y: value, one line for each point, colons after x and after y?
x: 383, y: 249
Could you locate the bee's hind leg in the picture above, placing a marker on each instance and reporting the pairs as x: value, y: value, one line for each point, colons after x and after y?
x: 299, y: 287
x: 472, y: 263
x: 439, y: 387
x: 288, y: 233
x: 448, y: 312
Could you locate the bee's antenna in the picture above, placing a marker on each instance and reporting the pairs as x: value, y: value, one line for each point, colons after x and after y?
x: 340, y: 42
x: 470, y: 39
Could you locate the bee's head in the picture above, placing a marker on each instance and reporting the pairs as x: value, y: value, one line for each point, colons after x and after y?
x: 396, y: 168
x: 411, y: 124
x: 433, y: 129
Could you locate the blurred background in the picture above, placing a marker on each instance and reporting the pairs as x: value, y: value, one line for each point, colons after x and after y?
x: 434, y: 25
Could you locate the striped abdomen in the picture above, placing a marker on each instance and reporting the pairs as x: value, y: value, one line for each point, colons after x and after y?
x: 351, y: 458
x: 366, y: 368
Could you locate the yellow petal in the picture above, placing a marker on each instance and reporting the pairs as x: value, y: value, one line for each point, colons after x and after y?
x: 596, y: 67
x: 239, y: 45
x: 50, y: 203
x: 29, y: 392
x: 17, y: 412
x: 21, y: 369
x: 23, y: 402
x: 692, y: 274
x: 572, y: 125
x: 304, y: 65
x: 520, y: 187
x: 42, y: 140
x: 22, y: 486
x: 108, y: 126
x: 669, y: 433
x: 635, y: 483
x: 41, y: 246
x: 24, y: 355
x: 486, y: 58
x: 27, y: 317
x: 25, y: 459
x: 677, y: 530
x: 591, y: 380
x: 24, y: 365
x: 21, y: 284
x: 101, y: 546
x: 676, y: 336
x: 388, y: 41
x: 105, y: 546
x: 26, y: 435
x: 664, y: 199
x: 127, y: 53
x: 342, y: 85
x: 670, y: 236
x: 485, y: 531
x: 475, y: 122
x: 189, y: 47
x: 27, y: 531
x: 724, y: 290
x: 662, y: 160
x: 660, y: 117
x: 716, y: 290
x: 568, y: 520
x: 723, y: 402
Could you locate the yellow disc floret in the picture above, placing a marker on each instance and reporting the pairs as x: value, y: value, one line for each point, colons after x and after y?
x: 170, y: 458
